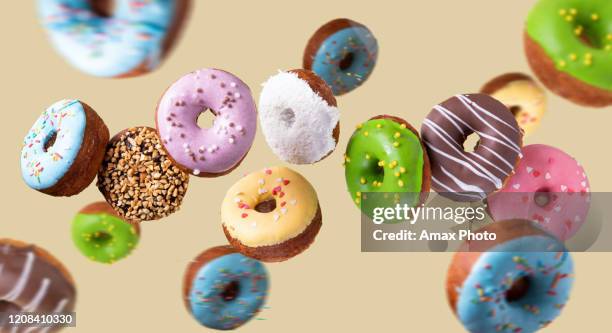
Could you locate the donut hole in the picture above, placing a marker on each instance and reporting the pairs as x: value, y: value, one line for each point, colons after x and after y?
x: 101, y: 238
x: 471, y: 142
x: 376, y: 170
x: 206, y: 119
x: 518, y: 290
x: 230, y: 291
x: 266, y: 206
x: 515, y: 109
x: 347, y: 61
x: 287, y: 117
x: 542, y: 197
x: 103, y: 8
x: 588, y: 36
x: 49, y: 141
x: 9, y: 307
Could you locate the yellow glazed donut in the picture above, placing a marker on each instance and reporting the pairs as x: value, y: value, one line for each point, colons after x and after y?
x: 522, y: 95
x: 271, y: 215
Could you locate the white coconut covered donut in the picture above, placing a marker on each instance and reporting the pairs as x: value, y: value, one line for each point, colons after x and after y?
x: 299, y: 117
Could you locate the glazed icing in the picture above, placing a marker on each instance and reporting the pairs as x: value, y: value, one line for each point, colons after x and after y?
x: 296, y: 206
x: 470, y: 176
x: 549, y: 170
x: 207, y: 150
x: 108, y: 47
x: 296, y: 122
x: 356, y: 40
x: 559, y: 27
x: 31, y: 283
x: 383, y: 156
x: 530, y: 100
x: 103, y: 237
x: 206, y: 299
x: 482, y: 305
x: 66, y: 120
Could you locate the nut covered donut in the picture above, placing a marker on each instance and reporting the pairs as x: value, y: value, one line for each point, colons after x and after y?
x: 109, y: 38
x: 470, y: 176
x: 568, y: 44
x: 299, y: 117
x: 138, y: 179
x: 223, y: 289
x: 385, y: 154
x: 63, y: 149
x: 549, y: 187
x: 32, y: 280
x: 271, y: 215
x: 207, y: 152
x: 519, y: 282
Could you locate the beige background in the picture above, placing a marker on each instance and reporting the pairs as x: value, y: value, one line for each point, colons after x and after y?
x: 430, y: 50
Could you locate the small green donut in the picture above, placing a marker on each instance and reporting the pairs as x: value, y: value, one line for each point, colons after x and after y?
x: 385, y: 154
x: 101, y: 235
x: 577, y: 36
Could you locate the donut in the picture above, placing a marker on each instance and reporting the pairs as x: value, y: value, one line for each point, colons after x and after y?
x: 271, y: 215
x: 549, y: 187
x: 298, y: 117
x: 138, y: 179
x: 522, y: 96
x: 343, y: 53
x: 214, y: 151
x: 101, y: 235
x: 568, y: 44
x: 223, y: 289
x: 105, y: 38
x: 386, y: 154
x: 518, y: 283
x: 64, y: 148
x: 462, y: 175
x: 32, y: 280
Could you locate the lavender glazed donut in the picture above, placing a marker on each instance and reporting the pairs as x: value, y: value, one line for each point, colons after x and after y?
x: 214, y: 151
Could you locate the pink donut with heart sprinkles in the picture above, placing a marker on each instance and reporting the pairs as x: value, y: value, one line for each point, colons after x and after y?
x: 549, y: 187
x: 214, y: 151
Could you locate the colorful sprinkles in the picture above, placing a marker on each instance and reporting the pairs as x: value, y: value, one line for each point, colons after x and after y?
x: 132, y: 37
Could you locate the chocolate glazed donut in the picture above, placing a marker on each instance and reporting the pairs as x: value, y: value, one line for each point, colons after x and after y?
x: 471, y: 176
x: 31, y: 280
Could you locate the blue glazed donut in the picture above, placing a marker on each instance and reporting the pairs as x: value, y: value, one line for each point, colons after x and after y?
x: 63, y: 150
x: 225, y: 289
x: 132, y: 41
x: 519, y: 285
x: 343, y: 53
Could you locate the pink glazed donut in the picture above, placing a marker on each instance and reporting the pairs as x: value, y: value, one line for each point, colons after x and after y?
x: 548, y: 187
x: 214, y: 151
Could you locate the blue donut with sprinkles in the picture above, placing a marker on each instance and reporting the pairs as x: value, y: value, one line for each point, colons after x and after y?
x: 106, y: 38
x: 224, y: 289
x: 343, y: 53
x: 63, y: 150
x: 518, y: 283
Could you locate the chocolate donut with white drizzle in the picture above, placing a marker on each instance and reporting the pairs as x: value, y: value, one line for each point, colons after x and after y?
x: 470, y: 176
x: 32, y: 280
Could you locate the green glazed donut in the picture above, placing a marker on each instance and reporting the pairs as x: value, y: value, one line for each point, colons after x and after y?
x: 385, y: 154
x: 576, y: 36
x: 101, y: 235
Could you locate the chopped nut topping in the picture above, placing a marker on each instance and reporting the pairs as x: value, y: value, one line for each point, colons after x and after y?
x: 138, y: 178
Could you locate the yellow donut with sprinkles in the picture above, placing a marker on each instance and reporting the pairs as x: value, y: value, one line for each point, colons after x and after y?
x: 271, y: 215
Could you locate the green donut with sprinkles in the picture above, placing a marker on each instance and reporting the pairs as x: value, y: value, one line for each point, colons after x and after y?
x: 386, y: 155
x: 568, y: 44
x: 101, y: 235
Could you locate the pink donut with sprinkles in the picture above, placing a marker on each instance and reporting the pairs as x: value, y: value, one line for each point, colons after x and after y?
x: 214, y: 151
x: 549, y: 187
